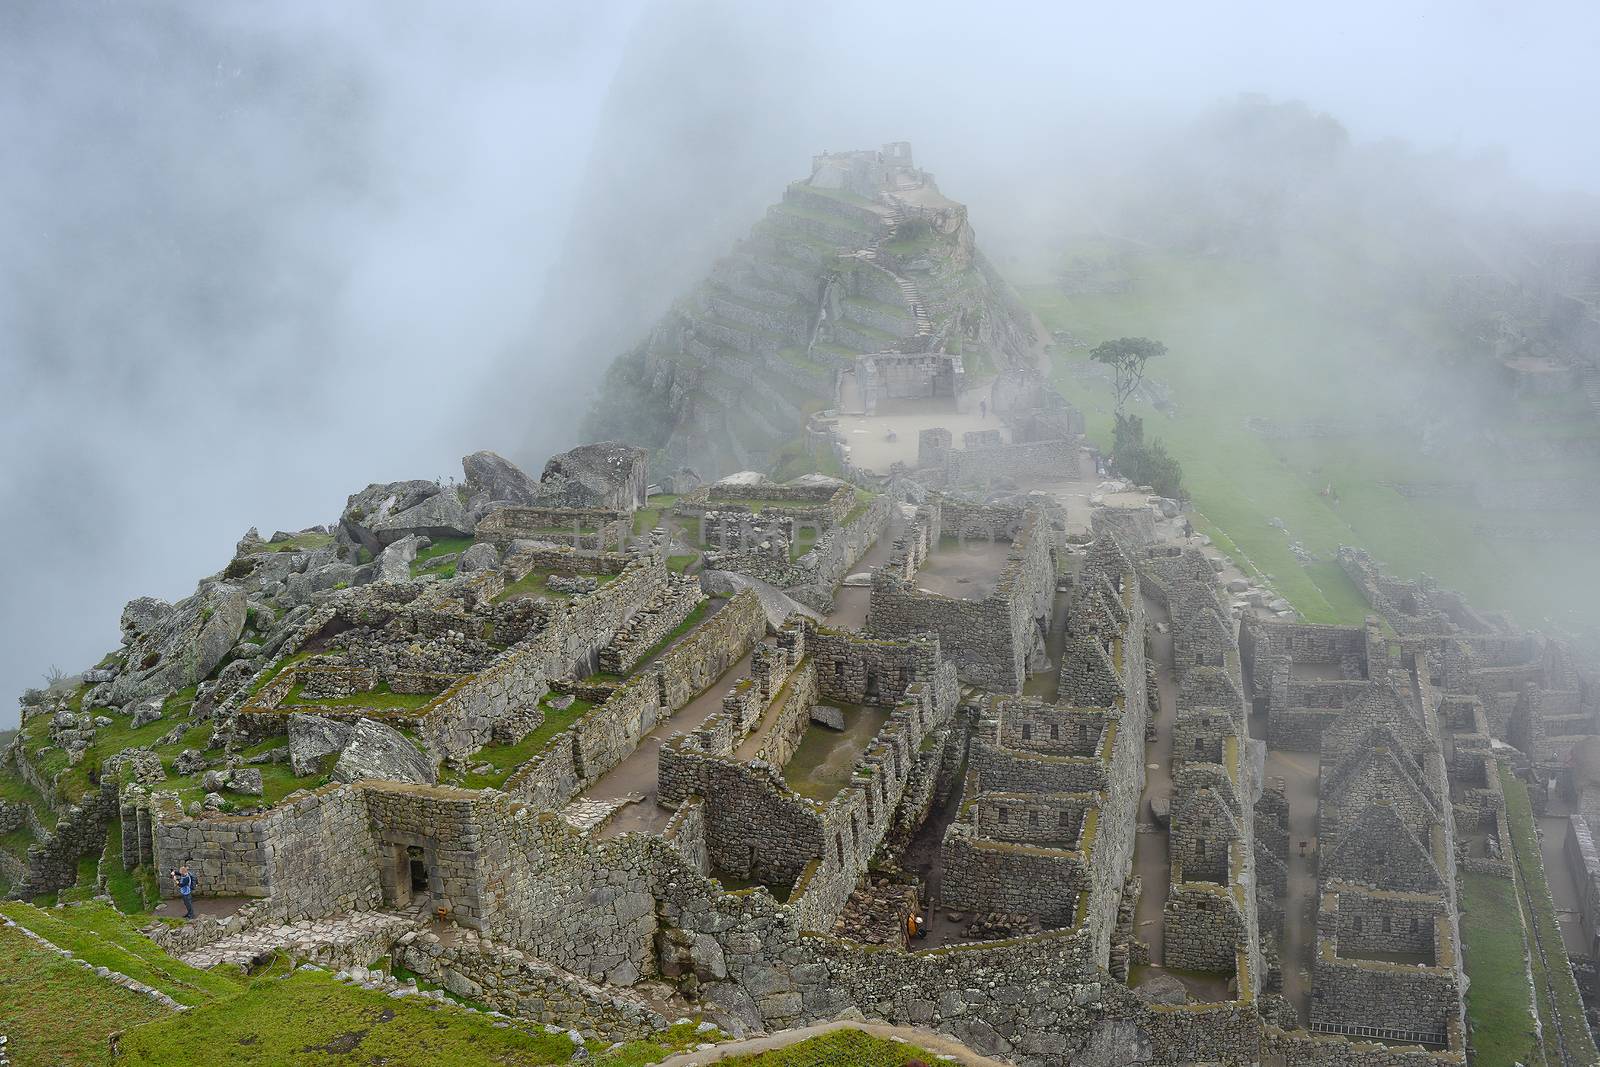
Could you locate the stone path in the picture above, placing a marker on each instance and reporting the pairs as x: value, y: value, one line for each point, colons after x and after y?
x: 585, y: 813
x: 319, y: 939
x: 1151, y: 860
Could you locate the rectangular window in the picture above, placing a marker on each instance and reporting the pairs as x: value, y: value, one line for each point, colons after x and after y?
x: 1027, y: 731
x: 1003, y: 815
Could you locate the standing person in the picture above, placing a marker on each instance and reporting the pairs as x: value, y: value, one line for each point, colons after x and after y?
x: 185, y: 883
x: 983, y: 409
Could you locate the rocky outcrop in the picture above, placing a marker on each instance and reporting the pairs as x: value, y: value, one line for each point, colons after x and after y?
x: 395, y: 563
x: 605, y: 474
x: 175, y: 648
x: 480, y: 557
x: 373, y: 750
x: 311, y: 737
x: 497, y: 478
x: 363, y: 511
x: 440, y: 515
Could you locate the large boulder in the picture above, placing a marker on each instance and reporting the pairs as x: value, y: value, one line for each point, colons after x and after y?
x: 480, y: 557
x: 440, y: 515
x: 395, y: 563
x: 498, y: 478
x: 374, y: 750
x: 376, y: 503
x: 142, y: 615
x: 606, y: 474
x: 311, y: 737
x: 180, y: 648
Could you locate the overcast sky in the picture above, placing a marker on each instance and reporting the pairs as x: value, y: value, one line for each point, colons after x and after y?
x: 255, y: 256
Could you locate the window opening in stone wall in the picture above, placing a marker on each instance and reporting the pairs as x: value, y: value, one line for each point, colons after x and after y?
x: 1199, y: 746
x: 1033, y: 820
x: 1027, y: 731
x: 1003, y: 815
x: 855, y: 831
x: 1356, y: 924
x: 1388, y: 925
x: 1055, y: 732
x: 1413, y: 924
x: 838, y: 844
x: 1066, y: 820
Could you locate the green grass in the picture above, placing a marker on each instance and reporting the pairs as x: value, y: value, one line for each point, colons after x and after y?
x: 1247, y: 341
x: 840, y: 1048
x: 56, y: 1011
x: 308, y: 1018
x: 843, y: 222
x: 106, y: 937
x: 690, y: 621
x: 126, y: 888
x: 1536, y: 895
x: 679, y: 564
x: 535, y: 583
x: 16, y: 790
x: 1497, y: 997
x: 302, y: 542
x: 507, y: 758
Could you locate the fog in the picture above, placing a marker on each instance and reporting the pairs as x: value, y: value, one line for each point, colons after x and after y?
x: 254, y: 257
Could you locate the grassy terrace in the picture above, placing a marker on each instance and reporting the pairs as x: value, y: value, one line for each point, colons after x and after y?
x: 507, y: 758
x: 840, y: 1048
x: 442, y: 547
x: 535, y: 584
x: 843, y: 222
x: 648, y: 517
x: 56, y: 1011
x: 302, y: 542
x: 1560, y: 1008
x: 1226, y: 368
x: 1500, y: 1022
x: 107, y: 938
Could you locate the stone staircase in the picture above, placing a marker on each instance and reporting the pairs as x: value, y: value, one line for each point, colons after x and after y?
x: 921, y: 340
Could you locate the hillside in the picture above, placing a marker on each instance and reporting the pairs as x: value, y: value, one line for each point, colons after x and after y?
x: 864, y: 256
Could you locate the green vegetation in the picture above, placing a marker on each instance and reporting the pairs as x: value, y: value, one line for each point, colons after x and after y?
x: 444, y: 546
x: 649, y: 517
x: 57, y: 1011
x: 308, y: 1018
x: 1497, y: 996
x: 1552, y: 973
x: 690, y: 621
x: 839, y: 1048
x: 826, y: 218
x: 106, y: 937
x: 300, y: 542
x: 1280, y: 350
x: 1146, y: 462
x: 535, y: 584
x: 679, y: 564
x: 507, y: 758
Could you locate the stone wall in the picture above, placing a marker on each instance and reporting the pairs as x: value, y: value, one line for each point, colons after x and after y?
x: 992, y: 641
x: 505, y: 980
x: 651, y: 625
x: 310, y: 857
x: 1034, y: 462
x: 52, y: 862
x: 1203, y: 926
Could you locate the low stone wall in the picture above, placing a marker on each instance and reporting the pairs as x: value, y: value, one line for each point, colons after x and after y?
x: 52, y: 863
x: 507, y: 981
x: 1040, y: 460
x: 651, y: 625
x: 985, y: 875
x: 611, y: 731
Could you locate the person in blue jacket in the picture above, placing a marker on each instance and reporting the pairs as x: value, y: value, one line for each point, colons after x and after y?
x: 185, y: 883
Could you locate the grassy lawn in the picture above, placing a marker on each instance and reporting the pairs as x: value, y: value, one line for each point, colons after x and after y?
x: 441, y: 547
x: 507, y: 758
x: 1553, y: 970
x: 535, y: 584
x: 56, y: 1011
x: 1245, y: 342
x: 1497, y: 999
x: 840, y: 1048
x: 679, y: 564
x: 308, y: 1018
x: 106, y: 937
x: 301, y: 542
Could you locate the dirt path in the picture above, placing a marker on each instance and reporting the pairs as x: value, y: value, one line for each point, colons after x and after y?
x: 1151, y: 860
x: 937, y: 1044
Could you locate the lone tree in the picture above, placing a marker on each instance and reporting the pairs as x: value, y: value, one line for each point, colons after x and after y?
x: 1126, y: 356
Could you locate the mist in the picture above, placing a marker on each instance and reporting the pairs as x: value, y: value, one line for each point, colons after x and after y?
x: 256, y: 257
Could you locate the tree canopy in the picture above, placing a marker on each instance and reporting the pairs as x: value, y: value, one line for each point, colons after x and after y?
x: 1126, y: 356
